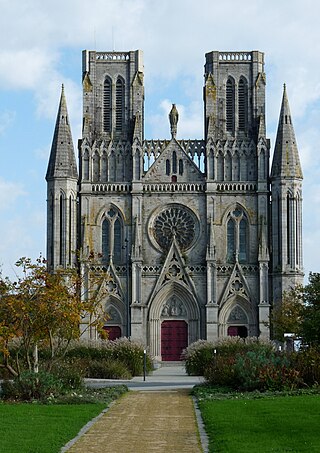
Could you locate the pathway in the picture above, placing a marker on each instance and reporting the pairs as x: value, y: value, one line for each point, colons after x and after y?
x: 159, y: 417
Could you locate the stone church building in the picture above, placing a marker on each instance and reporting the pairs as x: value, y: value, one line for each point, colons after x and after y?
x: 197, y: 237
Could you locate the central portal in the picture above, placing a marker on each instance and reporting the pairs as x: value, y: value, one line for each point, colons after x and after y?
x: 174, y: 339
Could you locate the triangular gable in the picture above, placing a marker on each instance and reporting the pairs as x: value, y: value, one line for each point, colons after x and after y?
x: 174, y: 271
x: 157, y: 171
x: 111, y: 285
x: 237, y: 285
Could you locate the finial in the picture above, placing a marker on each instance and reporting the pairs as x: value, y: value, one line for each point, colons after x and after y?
x: 173, y: 118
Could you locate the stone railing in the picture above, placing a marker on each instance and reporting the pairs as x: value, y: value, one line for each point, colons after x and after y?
x: 235, y: 56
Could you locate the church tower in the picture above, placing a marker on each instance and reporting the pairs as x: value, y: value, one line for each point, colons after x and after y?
x: 286, y: 191
x: 62, y: 182
x: 237, y: 193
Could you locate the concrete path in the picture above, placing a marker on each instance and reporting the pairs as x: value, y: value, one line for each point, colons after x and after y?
x: 158, y: 417
x: 171, y: 377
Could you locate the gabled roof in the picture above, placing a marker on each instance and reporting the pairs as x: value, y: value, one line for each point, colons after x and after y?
x: 286, y: 162
x: 62, y: 162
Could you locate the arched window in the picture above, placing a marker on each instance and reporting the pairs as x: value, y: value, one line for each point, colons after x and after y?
x: 112, y: 237
x: 231, y: 243
x: 230, y: 104
x: 96, y: 167
x: 237, y: 236
x: 107, y: 105
x: 62, y: 231
x: 180, y: 167
x: 243, y: 241
x: 119, y: 104
x: 105, y: 239
x: 167, y: 167
x: 243, y: 104
x: 86, y: 165
x: 117, y: 242
x: 174, y: 162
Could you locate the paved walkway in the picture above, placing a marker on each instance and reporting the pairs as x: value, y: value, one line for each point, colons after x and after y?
x: 157, y: 418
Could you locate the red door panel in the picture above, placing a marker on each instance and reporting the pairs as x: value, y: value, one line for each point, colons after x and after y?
x: 114, y: 332
x: 174, y: 339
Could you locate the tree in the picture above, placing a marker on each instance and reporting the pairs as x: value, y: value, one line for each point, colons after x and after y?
x: 310, y: 325
x: 43, y: 309
x: 286, y: 316
x: 299, y: 312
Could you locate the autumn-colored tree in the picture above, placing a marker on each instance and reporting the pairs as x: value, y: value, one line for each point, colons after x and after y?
x: 43, y: 309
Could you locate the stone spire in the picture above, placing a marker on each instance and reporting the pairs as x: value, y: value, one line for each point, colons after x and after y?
x: 62, y: 162
x: 286, y: 162
x: 173, y: 118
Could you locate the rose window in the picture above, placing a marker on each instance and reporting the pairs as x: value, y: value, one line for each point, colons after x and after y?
x: 177, y: 222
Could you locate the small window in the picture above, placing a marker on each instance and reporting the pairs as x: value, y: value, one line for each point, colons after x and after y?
x: 180, y: 167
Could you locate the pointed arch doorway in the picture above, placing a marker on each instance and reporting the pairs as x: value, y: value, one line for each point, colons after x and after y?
x: 174, y: 322
x: 174, y: 339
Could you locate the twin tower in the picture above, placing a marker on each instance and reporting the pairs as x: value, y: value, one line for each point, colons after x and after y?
x: 197, y: 238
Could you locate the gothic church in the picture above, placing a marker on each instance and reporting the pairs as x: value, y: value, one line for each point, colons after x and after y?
x: 197, y: 237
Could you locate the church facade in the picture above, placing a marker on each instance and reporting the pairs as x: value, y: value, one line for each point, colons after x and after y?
x: 197, y: 237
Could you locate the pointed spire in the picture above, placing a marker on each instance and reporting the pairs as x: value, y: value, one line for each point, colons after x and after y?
x: 62, y: 162
x: 286, y: 162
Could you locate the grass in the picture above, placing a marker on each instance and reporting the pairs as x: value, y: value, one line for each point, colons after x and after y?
x: 39, y: 428
x: 278, y: 424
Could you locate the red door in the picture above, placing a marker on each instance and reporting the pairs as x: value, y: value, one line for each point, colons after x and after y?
x: 238, y: 331
x: 174, y: 339
x: 114, y: 332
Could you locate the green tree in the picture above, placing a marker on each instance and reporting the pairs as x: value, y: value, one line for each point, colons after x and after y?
x: 286, y: 317
x: 310, y: 325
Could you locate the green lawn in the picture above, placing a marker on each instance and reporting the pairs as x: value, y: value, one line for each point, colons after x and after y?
x: 279, y: 424
x: 37, y: 428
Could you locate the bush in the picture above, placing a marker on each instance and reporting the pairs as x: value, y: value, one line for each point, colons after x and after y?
x: 70, y: 373
x: 32, y: 386
x: 221, y: 372
x: 265, y: 371
x: 107, y: 369
x: 308, y: 364
x: 198, y: 357
x: 131, y: 354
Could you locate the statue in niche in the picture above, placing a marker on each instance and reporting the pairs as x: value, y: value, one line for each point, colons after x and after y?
x: 173, y: 308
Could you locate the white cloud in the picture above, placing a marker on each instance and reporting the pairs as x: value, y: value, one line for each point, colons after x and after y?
x: 9, y: 193
x: 6, y: 119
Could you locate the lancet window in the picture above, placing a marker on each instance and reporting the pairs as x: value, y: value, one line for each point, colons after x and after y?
x: 237, y: 237
x: 112, y: 237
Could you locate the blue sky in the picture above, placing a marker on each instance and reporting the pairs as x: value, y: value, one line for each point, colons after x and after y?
x: 40, y: 48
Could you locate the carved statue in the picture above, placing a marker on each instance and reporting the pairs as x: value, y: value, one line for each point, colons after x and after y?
x: 173, y: 118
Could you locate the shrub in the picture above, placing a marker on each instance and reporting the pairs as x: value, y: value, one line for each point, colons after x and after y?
x: 198, y: 357
x: 107, y: 369
x: 70, y: 374
x: 221, y: 372
x: 32, y: 386
x: 131, y: 354
x: 307, y: 362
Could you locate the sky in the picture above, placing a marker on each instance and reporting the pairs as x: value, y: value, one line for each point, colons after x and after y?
x: 40, y: 49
